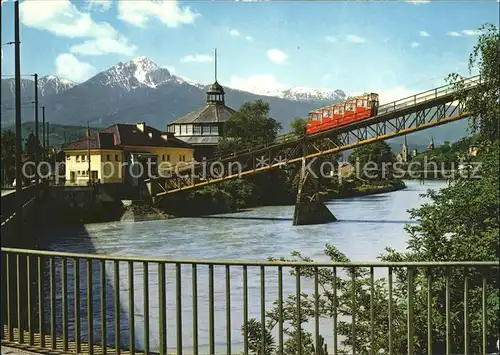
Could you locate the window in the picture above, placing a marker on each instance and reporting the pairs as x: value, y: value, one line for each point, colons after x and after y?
x: 163, y: 157
x: 168, y: 157
x: 117, y: 158
x: 77, y: 158
x: 197, y: 129
x: 108, y: 157
x: 206, y: 129
x: 214, y: 129
x: 83, y: 157
x: 189, y: 129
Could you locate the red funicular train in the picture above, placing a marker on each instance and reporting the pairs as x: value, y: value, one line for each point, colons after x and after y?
x: 336, y: 115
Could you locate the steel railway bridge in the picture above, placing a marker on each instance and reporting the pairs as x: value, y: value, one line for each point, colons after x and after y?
x: 425, y: 110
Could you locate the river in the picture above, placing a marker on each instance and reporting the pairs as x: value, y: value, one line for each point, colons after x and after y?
x: 365, y: 227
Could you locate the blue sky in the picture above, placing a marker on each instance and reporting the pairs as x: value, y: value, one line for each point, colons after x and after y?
x: 391, y: 47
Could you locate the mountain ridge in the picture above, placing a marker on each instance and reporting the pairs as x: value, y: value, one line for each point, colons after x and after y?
x: 141, y: 90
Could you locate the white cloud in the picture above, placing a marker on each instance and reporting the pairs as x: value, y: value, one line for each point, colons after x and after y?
x: 471, y: 32
x: 414, y: 44
x: 249, y: 38
x: 276, y: 56
x: 418, y: 2
x: 355, y: 39
x: 424, y: 34
x: 99, y: 5
x: 139, y: 12
x: 68, y: 66
x: 234, y: 33
x: 104, y: 46
x: 62, y: 18
x: 331, y: 39
x: 196, y: 58
x: 259, y: 84
x: 464, y: 33
x: 389, y: 95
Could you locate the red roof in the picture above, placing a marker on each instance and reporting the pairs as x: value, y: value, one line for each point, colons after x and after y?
x: 119, y: 135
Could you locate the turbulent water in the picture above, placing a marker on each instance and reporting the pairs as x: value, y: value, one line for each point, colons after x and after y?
x: 365, y: 226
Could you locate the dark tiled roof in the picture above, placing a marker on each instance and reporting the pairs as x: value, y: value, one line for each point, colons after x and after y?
x: 129, y: 134
x: 98, y: 140
x: 201, y: 140
x: 209, y: 113
x: 119, y: 135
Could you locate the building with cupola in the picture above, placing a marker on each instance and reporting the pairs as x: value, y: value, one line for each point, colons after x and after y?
x: 202, y: 128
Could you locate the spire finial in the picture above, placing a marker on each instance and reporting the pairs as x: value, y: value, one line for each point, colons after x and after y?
x: 215, y: 64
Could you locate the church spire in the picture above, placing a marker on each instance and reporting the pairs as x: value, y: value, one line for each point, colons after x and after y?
x: 431, y: 144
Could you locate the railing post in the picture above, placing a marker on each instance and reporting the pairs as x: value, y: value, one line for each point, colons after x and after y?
x: 410, y: 311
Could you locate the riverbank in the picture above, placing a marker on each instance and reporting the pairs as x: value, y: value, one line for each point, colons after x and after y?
x: 368, y: 189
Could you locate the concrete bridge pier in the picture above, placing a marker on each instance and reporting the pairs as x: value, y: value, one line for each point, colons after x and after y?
x: 309, y: 208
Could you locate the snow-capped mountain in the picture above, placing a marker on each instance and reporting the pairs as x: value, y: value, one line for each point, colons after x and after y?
x: 308, y: 94
x: 53, y: 85
x: 141, y: 72
x: 137, y: 73
x: 142, y: 90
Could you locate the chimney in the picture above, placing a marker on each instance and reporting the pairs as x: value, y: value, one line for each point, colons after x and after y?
x: 115, y: 139
x: 141, y: 126
x: 167, y: 135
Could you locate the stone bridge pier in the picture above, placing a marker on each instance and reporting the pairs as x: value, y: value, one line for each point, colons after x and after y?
x: 309, y: 207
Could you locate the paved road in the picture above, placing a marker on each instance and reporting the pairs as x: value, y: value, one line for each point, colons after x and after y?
x: 11, y: 351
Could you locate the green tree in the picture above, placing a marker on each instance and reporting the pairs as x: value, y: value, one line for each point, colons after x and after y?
x: 8, y: 143
x: 32, y: 146
x: 298, y: 126
x: 460, y: 223
x: 248, y: 127
x: 378, y: 154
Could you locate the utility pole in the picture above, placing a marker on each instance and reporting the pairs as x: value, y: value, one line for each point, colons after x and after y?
x: 88, y: 146
x: 1, y: 41
x: 37, y: 153
x: 47, y: 134
x: 43, y: 131
x: 18, y: 114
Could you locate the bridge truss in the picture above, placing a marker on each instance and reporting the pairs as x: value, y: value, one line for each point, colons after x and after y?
x: 415, y: 113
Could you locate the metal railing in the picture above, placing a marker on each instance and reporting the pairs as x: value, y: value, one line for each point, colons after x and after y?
x: 112, y: 304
